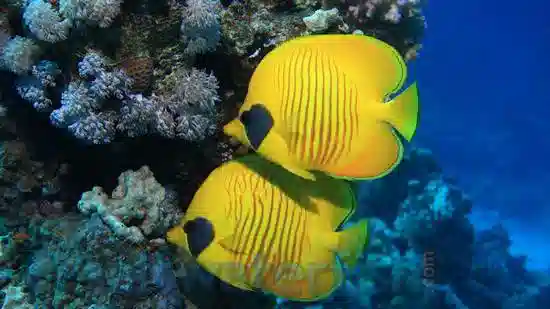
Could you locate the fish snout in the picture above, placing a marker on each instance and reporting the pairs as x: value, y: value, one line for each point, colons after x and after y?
x: 176, y: 236
x: 235, y: 130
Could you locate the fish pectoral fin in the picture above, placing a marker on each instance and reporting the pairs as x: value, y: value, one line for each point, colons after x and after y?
x: 275, y: 149
x: 230, y: 243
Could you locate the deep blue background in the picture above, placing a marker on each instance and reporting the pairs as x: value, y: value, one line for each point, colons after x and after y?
x: 484, y: 80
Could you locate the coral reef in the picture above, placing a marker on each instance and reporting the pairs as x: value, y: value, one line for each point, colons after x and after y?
x: 82, y: 263
x: 128, y: 97
x: 424, y: 253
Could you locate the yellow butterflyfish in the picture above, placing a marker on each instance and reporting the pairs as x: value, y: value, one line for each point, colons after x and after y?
x: 322, y: 102
x: 255, y: 226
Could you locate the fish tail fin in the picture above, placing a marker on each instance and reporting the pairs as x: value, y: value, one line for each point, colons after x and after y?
x: 352, y: 242
x: 403, y: 112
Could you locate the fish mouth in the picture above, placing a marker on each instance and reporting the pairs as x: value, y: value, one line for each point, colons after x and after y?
x: 233, y: 141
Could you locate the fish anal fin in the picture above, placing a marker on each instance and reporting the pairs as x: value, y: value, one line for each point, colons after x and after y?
x: 335, y: 201
x: 379, y: 155
x: 241, y: 285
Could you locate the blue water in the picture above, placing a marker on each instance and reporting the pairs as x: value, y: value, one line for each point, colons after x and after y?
x: 484, y: 73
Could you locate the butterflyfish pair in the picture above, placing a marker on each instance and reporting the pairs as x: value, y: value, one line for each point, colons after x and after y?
x: 257, y: 227
x: 329, y: 103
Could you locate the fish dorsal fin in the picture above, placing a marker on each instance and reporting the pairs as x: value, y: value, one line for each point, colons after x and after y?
x: 379, y: 70
x: 382, y: 69
x: 335, y: 201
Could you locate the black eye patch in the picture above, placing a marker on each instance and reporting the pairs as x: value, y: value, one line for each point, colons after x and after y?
x: 200, y: 233
x: 257, y: 122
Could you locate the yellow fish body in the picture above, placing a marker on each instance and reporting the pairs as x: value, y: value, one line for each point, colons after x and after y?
x: 319, y: 102
x: 257, y: 227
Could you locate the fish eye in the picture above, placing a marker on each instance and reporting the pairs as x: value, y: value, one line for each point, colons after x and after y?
x: 189, y: 226
x: 257, y: 123
x: 245, y: 117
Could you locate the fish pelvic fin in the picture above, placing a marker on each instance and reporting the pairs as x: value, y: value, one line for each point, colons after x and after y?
x: 222, y: 264
x: 403, y: 112
x: 275, y: 149
x: 299, y: 172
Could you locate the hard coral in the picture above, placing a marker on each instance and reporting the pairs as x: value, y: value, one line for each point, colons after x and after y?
x: 139, y: 207
x: 140, y: 70
x: 82, y: 264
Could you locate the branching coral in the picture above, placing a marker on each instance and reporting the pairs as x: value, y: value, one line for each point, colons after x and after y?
x: 190, y: 95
